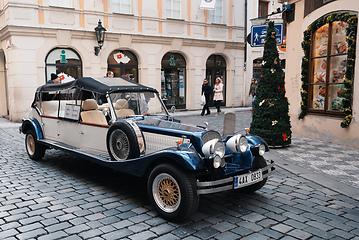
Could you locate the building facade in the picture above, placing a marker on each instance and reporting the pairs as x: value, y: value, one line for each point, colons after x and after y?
x: 322, y: 70
x: 259, y: 13
x: 170, y: 45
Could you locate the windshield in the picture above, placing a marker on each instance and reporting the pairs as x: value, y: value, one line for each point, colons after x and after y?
x: 137, y: 103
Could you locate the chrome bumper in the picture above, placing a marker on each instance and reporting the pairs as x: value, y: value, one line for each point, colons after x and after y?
x: 228, y: 183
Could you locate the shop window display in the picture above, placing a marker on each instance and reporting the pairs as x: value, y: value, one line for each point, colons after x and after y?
x: 329, y: 62
x: 123, y: 63
x: 64, y: 62
x: 173, y: 80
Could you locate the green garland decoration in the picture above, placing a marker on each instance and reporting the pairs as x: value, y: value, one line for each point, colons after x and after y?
x: 351, y: 33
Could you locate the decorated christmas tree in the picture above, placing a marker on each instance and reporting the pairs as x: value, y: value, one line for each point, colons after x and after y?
x: 270, y: 119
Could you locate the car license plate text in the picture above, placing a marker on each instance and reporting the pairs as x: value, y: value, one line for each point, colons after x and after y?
x: 247, y: 179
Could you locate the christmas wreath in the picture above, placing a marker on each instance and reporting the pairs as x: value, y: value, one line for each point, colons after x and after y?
x: 351, y: 33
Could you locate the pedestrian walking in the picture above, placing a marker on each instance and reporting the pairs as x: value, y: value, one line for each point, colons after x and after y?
x: 206, y: 90
x: 218, y: 95
x: 252, y: 90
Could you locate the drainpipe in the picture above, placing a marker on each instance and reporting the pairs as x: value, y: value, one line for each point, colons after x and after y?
x: 245, y: 51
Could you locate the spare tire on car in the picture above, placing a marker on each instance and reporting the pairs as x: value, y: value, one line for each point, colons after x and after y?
x: 124, y: 141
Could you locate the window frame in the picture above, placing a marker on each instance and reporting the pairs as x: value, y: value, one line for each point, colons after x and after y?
x: 59, y: 3
x: 260, y: 8
x: 172, y: 10
x: 121, y: 6
x: 217, y: 12
x: 327, y: 84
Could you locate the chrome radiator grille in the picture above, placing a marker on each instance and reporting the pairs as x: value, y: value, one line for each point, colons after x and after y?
x: 155, y: 142
x: 210, y: 135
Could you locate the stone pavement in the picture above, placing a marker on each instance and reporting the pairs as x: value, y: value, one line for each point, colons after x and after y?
x: 64, y: 197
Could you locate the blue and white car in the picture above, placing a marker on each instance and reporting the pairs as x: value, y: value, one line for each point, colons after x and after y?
x: 125, y: 126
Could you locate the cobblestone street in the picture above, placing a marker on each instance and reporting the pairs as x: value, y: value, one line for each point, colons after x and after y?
x: 64, y: 197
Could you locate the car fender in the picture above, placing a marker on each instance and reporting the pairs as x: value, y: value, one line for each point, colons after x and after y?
x: 184, y: 157
x: 254, y: 140
x: 32, y: 123
x: 188, y: 158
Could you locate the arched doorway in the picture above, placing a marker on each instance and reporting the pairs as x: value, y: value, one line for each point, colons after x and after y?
x: 216, y: 67
x: 4, y: 103
x: 173, y: 80
x: 123, y: 62
x: 64, y: 62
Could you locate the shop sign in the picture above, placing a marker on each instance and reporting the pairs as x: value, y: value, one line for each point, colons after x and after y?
x: 65, y: 77
x: 283, y: 46
x: 121, y: 58
x: 259, y: 32
x: 63, y: 57
x: 172, y: 60
x: 208, y: 4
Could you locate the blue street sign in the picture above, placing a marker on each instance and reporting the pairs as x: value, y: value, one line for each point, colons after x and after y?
x: 259, y: 32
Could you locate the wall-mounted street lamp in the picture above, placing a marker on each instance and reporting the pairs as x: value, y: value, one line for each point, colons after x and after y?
x: 100, y: 36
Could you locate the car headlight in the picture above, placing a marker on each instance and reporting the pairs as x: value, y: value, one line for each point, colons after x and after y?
x: 213, y: 147
x: 262, y: 150
x: 218, y: 162
x: 237, y: 144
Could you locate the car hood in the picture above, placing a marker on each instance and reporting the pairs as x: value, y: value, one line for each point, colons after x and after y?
x: 158, y: 124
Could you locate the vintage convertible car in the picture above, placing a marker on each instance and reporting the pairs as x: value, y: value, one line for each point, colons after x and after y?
x: 125, y: 126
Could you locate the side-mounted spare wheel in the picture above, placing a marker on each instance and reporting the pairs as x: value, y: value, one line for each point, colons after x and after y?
x: 35, y: 150
x: 124, y: 141
x: 173, y: 192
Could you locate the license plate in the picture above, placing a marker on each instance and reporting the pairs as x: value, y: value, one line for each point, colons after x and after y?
x: 247, y: 179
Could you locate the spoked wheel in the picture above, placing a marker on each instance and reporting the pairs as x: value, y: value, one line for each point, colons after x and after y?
x: 173, y: 192
x: 35, y: 150
x: 119, y: 145
x: 122, y: 141
x: 166, y: 192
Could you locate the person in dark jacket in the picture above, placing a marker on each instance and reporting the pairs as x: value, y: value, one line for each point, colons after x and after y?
x: 206, y: 90
x: 54, y: 79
